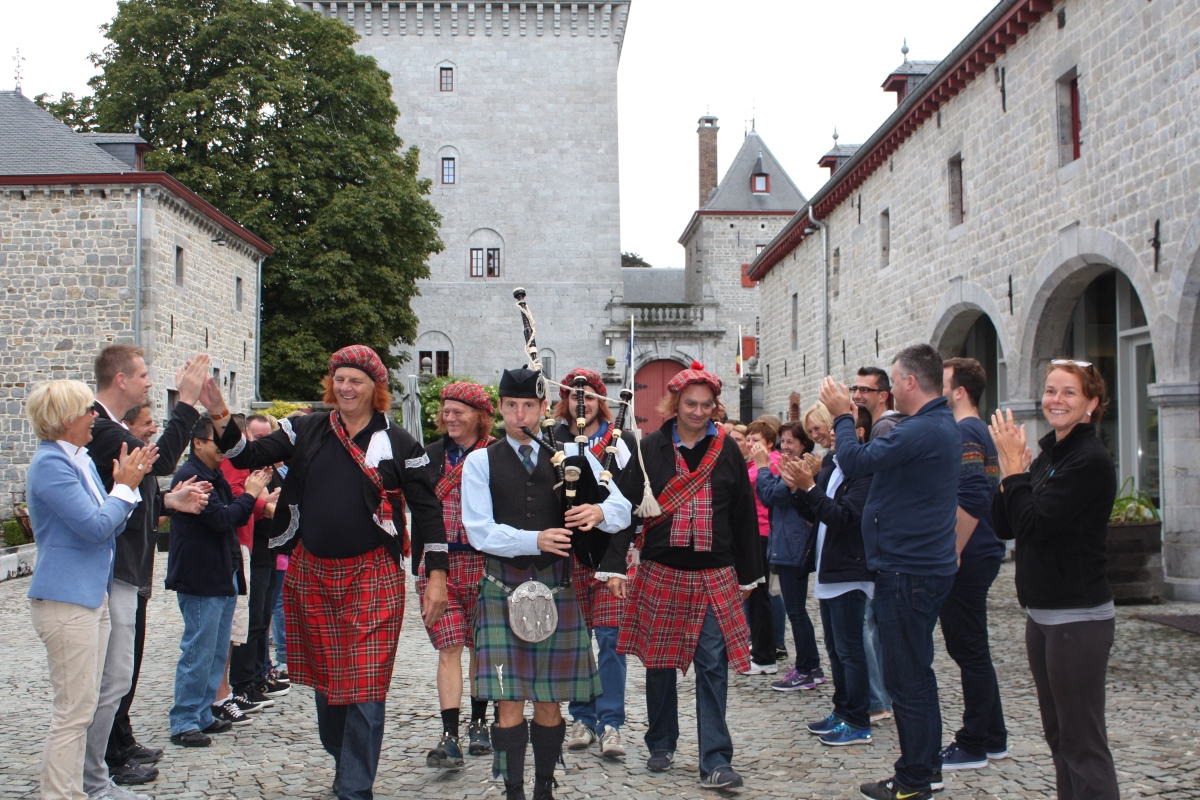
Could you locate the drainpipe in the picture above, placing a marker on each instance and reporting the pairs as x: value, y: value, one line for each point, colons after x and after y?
x: 258, y: 334
x: 824, y: 288
x: 137, y: 276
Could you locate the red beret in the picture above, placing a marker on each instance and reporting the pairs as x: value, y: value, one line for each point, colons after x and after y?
x: 361, y: 357
x: 594, y: 381
x: 696, y: 374
x: 471, y: 394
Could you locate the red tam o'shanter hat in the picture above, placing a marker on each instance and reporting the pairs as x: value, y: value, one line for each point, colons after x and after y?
x: 361, y: 357
x: 594, y: 382
x: 471, y: 394
x: 696, y: 374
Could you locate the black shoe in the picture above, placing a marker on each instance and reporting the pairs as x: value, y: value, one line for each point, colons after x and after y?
x: 936, y: 784
x: 479, y: 741
x: 781, y: 654
x: 514, y: 791
x: 246, y: 705
x: 131, y: 773
x: 230, y: 712
x: 142, y: 754
x: 892, y: 789
x: 273, y: 688
x: 218, y: 726
x: 254, y: 695
x: 660, y: 760
x: 446, y: 754
x: 192, y: 738
x: 543, y: 788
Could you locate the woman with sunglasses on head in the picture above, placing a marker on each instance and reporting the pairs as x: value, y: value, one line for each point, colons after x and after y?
x: 1058, y: 513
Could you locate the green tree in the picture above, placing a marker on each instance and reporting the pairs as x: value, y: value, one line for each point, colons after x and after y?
x: 266, y: 111
x: 633, y: 260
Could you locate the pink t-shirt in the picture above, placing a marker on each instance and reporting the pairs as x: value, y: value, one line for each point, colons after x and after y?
x: 764, y: 519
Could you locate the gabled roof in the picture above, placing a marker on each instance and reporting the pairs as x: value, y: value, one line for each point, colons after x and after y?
x: 33, y: 142
x: 914, y: 68
x: 733, y: 192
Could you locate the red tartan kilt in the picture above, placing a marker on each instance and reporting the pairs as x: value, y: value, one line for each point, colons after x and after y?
x: 456, y: 626
x: 599, y: 607
x: 343, y: 623
x: 665, y: 611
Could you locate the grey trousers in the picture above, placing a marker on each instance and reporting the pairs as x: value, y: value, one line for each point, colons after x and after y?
x: 114, y: 685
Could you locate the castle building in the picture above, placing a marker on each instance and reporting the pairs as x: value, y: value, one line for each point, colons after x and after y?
x: 84, y: 233
x: 1033, y: 196
x: 514, y: 109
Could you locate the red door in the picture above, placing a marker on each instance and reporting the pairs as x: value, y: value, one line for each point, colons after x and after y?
x: 650, y: 386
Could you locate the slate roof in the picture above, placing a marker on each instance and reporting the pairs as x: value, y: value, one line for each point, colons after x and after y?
x: 842, y: 151
x: 33, y: 142
x: 914, y: 68
x: 733, y: 192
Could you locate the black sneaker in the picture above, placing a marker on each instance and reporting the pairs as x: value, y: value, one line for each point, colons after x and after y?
x: 219, y: 725
x: 246, y: 705
x: 273, y: 688
x: 936, y: 784
x: 479, y: 740
x: 446, y: 754
x: 142, y: 754
x: 254, y: 695
x: 131, y: 773
x: 891, y: 789
x: 192, y: 738
x: 660, y: 760
x: 781, y: 654
x: 230, y: 712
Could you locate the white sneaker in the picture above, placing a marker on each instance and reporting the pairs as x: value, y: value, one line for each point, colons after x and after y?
x: 581, y: 737
x: 610, y: 743
x: 114, y: 792
x: 761, y: 669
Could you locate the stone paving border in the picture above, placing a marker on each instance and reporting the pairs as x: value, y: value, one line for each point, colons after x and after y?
x: 1154, y: 705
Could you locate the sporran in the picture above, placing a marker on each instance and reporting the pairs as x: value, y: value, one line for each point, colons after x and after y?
x: 532, y: 612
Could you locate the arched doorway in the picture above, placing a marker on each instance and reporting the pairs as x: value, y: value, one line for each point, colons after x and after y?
x: 972, y: 335
x: 1108, y: 328
x: 650, y: 386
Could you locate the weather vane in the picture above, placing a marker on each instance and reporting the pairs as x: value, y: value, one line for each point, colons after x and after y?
x: 17, y: 74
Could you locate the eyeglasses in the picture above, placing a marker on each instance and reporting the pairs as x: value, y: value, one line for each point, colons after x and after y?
x: 1062, y: 362
x: 860, y: 389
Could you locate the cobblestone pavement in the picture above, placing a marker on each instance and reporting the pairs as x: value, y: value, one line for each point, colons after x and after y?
x: 1154, y: 686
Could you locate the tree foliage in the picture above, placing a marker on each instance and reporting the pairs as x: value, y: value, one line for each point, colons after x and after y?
x: 266, y: 111
x: 633, y: 260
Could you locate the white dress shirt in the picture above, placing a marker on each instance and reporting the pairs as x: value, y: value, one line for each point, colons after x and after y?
x: 505, y: 541
x: 83, y: 462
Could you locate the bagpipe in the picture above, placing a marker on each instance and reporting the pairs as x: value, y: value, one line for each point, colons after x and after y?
x: 579, y: 484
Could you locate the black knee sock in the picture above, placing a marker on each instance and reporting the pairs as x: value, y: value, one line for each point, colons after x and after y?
x: 450, y: 721
x: 547, y: 747
x: 512, y: 744
x: 478, y: 710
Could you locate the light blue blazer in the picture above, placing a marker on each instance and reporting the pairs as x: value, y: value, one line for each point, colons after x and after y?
x: 75, y: 535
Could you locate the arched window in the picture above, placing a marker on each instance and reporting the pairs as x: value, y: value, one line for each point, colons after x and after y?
x: 485, y: 250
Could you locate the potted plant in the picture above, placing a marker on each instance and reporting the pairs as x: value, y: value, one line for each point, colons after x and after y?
x: 1134, y: 546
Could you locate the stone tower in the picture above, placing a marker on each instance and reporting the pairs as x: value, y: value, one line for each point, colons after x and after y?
x: 514, y: 109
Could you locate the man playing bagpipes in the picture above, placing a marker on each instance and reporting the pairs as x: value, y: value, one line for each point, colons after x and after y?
x: 600, y: 590
x: 699, y: 559
x: 531, y: 643
x: 464, y: 418
x: 341, y: 515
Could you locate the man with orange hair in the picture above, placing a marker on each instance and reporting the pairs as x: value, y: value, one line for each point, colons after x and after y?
x: 341, y: 515
x: 700, y: 558
x: 465, y: 418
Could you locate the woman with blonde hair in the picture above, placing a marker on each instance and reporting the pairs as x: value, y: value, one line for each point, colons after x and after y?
x: 75, y: 523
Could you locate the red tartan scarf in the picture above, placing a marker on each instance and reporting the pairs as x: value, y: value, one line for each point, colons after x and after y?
x: 602, y: 444
x: 448, y: 491
x: 689, y: 497
x: 384, y: 515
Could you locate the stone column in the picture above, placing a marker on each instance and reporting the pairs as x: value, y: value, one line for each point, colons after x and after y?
x: 1179, y: 434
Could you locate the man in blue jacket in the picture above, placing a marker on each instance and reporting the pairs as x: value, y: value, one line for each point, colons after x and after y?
x: 908, y: 535
x: 203, y: 568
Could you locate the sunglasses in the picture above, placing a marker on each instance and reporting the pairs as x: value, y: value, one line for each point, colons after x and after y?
x: 1062, y: 362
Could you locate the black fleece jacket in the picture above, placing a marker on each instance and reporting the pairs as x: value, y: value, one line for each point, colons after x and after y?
x: 1058, y: 513
x: 843, y: 557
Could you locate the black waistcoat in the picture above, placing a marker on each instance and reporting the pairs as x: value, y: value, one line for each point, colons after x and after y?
x: 524, y: 501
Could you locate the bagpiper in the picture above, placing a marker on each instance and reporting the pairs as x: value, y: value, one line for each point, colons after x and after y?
x: 700, y: 559
x: 531, y: 643
x: 464, y: 418
x: 341, y: 515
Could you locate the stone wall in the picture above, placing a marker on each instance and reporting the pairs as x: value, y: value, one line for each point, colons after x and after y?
x: 1049, y: 226
x: 531, y: 122
x: 68, y: 256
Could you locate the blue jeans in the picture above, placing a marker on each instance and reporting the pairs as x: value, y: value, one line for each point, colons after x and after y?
x: 906, y: 610
x: 841, y: 617
x: 278, y: 625
x: 205, y: 645
x: 793, y: 583
x: 880, y: 699
x: 711, y: 664
x: 353, y: 735
x: 779, y: 610
x: 609, y: 707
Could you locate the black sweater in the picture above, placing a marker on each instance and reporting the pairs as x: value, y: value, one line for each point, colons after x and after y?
x: 1058, y: 513
x: 843, y: 557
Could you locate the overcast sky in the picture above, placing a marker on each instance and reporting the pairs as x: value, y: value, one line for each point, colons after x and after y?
x: 797, y: 67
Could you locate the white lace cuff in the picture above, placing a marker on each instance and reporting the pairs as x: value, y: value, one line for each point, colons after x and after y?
x: 604, y: 576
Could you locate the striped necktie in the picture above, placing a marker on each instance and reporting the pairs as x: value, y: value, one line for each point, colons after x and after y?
x: 526, y: 451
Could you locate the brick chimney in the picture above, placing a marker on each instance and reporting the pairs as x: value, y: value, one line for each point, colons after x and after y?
x: 708, y: 157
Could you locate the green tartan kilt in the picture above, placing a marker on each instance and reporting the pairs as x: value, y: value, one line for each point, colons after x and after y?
x: 559, y: 669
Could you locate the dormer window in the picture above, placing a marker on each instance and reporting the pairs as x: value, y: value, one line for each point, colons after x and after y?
x: 760, y: 183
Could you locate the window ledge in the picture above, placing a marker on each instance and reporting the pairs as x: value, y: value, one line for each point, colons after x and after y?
x: 957, y: 232
x: 1070, y: 171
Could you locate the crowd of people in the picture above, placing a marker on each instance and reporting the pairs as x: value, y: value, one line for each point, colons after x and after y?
x: 693, y: 547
